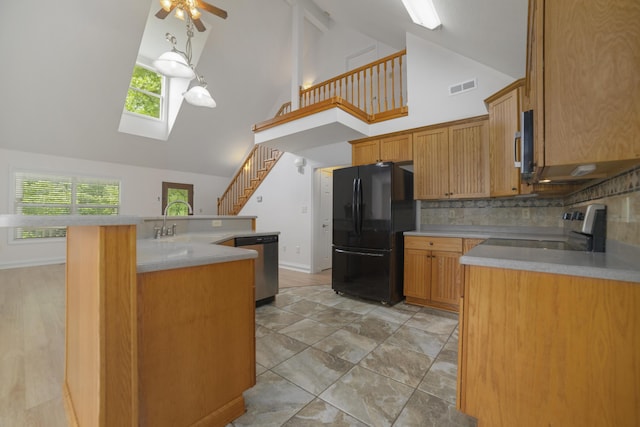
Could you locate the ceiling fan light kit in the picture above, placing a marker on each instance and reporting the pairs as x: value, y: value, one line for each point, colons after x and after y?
x: 175, y: 63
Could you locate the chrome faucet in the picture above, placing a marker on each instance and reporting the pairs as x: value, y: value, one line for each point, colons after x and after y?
x: 164, y: 231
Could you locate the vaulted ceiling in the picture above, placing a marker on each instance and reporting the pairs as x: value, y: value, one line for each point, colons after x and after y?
x: 66, y: 67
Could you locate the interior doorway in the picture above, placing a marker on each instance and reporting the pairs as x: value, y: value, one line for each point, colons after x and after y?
x: 326, y: 216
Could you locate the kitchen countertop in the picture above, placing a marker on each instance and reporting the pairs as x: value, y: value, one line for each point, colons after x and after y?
x: 616, y: 264
x: 67, y: 220
x: 182, y: 250
x: 191, y: 249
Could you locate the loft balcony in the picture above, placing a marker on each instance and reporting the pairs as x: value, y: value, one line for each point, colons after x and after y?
x: 341, y: 108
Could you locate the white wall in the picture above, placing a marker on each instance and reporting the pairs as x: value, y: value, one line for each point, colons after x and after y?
x: 332, y: 48
x: 141, y: 192
x: 286, y: 207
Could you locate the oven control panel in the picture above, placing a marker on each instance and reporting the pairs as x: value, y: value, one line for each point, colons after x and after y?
x: 584, y: 219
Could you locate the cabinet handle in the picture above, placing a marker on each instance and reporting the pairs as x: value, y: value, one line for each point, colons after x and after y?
x: 430, y: 243
x: 516, y: 163
x: 513, y: 188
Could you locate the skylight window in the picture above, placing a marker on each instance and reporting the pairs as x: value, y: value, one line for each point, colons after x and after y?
x: 145, y: 92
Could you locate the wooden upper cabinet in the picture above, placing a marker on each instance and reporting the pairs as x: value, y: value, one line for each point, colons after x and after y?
x: 396, y: 148
x: 504, y: 122
x: 588, y: 94
x: 431, y: 164
x: 452, y: 162
x: 365, y: 153
x: 469, y: 160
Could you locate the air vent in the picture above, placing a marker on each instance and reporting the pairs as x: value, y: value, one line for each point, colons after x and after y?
x: 463, y: 87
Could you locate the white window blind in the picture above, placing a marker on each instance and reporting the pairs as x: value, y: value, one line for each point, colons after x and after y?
x: 53, y: 194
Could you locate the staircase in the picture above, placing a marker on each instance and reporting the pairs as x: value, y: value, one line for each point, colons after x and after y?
x: 251, y: 174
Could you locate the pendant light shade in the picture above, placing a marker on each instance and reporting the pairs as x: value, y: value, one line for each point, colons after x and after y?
x: 199, y: 96
x: 173, y: 64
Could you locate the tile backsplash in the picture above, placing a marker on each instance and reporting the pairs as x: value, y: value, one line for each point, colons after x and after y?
x: 621, y: 194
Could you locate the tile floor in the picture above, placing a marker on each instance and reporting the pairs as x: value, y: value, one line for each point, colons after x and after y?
x: 326, y: 359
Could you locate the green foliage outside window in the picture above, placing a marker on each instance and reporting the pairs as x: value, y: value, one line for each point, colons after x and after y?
x: 179, y: 209
x: 144, y: 92
x: 39, y: 194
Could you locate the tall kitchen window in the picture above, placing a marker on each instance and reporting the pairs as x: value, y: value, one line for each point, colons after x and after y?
x: 173, y: 191
x: 52, y: 194
x: 145, y: 93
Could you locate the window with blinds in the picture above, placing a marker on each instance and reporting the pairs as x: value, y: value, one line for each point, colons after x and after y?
x: 45, y: 194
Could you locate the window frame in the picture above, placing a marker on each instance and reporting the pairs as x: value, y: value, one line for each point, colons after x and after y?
x: 73, y: 206
x: 180, y: 186
x: 163, y: 92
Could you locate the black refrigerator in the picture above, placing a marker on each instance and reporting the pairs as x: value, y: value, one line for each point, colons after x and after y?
x: 372, y: 206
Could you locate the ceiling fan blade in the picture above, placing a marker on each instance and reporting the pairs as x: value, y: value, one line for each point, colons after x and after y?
x: 211, y: 9
x: 199, y: 25
x: 163, y: 13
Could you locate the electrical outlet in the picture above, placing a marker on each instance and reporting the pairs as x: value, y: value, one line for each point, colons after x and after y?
x: 303, y: 209
x: 525, y: 213
x: 452, y: 213
x: 297, y: 249
x: 216, y: 223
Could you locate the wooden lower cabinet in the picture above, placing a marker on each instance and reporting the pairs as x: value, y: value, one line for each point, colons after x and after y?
x: 432, y: 271
x: 196, y: 344
x: 541, y: 349
x: 164, y: 348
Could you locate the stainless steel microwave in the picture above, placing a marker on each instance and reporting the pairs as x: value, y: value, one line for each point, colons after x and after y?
x: 525, y: 136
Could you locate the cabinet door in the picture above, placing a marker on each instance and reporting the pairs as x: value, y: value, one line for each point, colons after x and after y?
x: 431, y: 164
x: 417, y: 273
x: 534, y: 83
x: 469, y: 160
x: 503, y: 124
x: 396, y: 148
x: 591, y: 81
x: 365, y: 153
x: 446, y: 278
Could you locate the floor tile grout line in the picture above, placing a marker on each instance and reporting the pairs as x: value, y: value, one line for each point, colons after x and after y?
x: 358, y: 363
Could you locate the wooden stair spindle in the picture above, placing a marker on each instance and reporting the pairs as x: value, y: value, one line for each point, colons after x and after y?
x: 248, y: 178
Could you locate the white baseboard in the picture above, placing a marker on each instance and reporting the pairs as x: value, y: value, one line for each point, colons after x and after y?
x: 31, y: 263
x: 303, y: 268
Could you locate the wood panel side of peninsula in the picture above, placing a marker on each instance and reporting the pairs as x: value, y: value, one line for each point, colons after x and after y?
x: 171, y: 347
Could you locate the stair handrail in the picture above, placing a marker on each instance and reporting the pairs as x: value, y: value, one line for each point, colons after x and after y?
x: 247, y: 178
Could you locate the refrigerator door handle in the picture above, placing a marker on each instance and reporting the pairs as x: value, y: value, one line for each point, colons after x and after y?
x: 354, y: 205
x: 359, y: 206
x: 342, y: 251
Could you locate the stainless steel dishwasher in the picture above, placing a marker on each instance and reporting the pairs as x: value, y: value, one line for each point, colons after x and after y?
x: 266, y: 265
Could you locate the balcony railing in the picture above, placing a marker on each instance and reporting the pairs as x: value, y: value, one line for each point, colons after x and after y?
x: 374, y: 92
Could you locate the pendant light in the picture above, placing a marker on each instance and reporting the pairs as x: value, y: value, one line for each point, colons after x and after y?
x: 175, y: 63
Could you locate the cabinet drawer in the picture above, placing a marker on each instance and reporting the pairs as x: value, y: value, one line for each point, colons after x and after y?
x: 448, y: 244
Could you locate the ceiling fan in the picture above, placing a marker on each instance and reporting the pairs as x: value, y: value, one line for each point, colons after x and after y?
x: 189, y: 8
